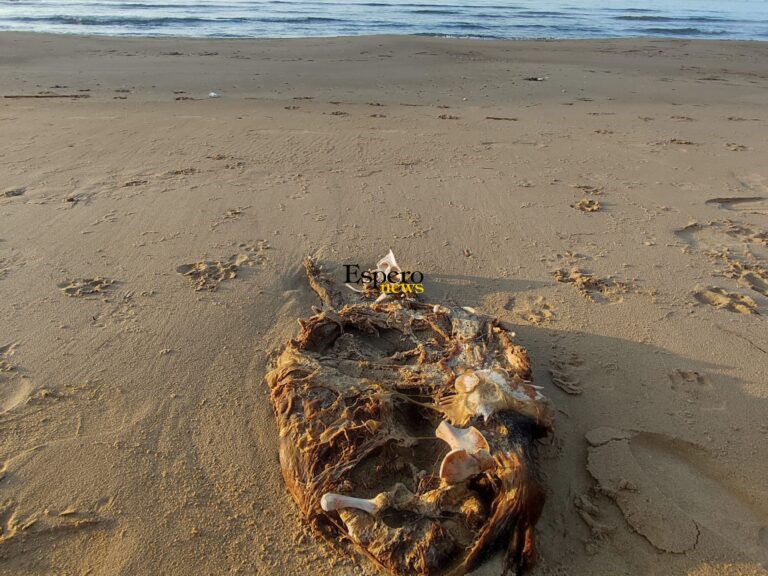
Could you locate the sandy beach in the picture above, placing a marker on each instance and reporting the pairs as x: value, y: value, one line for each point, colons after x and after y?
x: 609, y: 198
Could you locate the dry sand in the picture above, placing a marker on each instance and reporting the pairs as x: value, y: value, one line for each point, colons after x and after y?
x: 616, y: 211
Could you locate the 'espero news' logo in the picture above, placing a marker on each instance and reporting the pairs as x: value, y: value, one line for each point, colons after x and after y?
x: 391, y: 281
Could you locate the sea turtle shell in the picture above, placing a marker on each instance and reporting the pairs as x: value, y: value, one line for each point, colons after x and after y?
x: 358, y: 395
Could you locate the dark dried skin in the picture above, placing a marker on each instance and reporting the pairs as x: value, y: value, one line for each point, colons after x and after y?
x: 357, y: 397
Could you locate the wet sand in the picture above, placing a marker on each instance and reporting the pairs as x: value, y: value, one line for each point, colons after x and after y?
x: 609, y: 198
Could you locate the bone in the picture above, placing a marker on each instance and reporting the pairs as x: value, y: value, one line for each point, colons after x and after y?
x: 467, y: 439
x: 388, y: 263
x: 331, y: 501
x: 466, y: 382
x: 458, y: 465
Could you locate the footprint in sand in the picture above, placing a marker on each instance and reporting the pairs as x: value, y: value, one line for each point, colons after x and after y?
x: 6, y: 352
x: 534, y: 310
x: 592, y: 516
x: 564, y: 374
x: 230, y: 215
x: 591, y: 287
x: 85, y: 286
x: 183, y: 172
x: 668, y: 490
x: 14, y: 522
x: 697, y: 390
x: 749, y: 275
x: 739, y: 248
x: 132, y: 183
x: 14, y: 393
x: 724, y: 300
x: 208, y: 274
x: 717, y: 236
x: 589, y: 189
x: 587, y: 205
x: 15, y: 389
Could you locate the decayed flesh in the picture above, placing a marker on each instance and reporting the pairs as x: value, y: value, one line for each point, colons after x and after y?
x: 409, y: 430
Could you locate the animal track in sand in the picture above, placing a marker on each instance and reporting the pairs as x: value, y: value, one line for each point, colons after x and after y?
x: 564, y: 374
x: 743, y: 251
x: 694, y: 385
x: 6, y: 352
x: 734, y: 147
x: 589, y: 189
x: 714, y: 238
x: 183, y: 172
x: 535, y: 311
x: 591, y: 287
x: 668, y: 489
x: 85, y: 286
x: 591, y: 514
x: 132, y: 183
x: 15, y: 389
x: 724, y: 300
x: 15, y: 393
x: 208, y: 274
x: 587, y: 205
x: 13, y: 522
x: 752, y: 275
x: 230, y: 216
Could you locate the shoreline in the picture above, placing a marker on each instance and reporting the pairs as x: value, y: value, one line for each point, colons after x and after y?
x: 415, y: 35
x: 160, y: 66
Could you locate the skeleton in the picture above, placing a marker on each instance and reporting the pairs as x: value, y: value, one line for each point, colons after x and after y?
x: 408, y: 432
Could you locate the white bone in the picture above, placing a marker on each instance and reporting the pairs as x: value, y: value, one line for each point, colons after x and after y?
x: 458, y: 465
x: 468, y: 439
x: 331, y: 501
x: 466, y: 382
x: 388, y: 263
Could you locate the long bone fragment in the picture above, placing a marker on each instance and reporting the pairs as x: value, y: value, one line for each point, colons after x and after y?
x: 331, y: 501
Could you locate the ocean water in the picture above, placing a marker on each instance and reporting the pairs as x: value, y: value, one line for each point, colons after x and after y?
x: 713, y: 19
